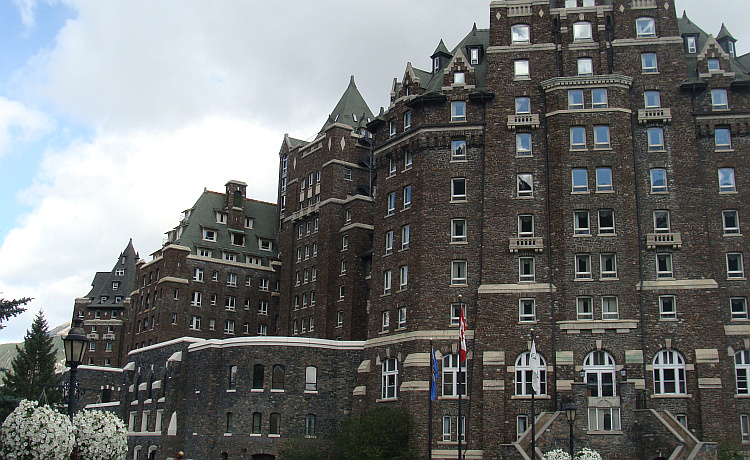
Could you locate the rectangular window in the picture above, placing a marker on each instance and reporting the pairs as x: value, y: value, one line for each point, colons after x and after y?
x: 405, y: 237
x: 667, y: 309
x: 391, y: 204
x: 523, y: 105
x: 196, y: 299
x: 385, y: 320
x: 604, y: 179
x: 408, y: 160
x: 745, y: 425
x: 645, y: 27
x: 392, y: 166
x: 525, y: 225
x: 209, y: 235
x: 263, y: 307
x: 575, y: 99
x: 521, y: 69
x: 458, y: 189
x: 198, y: 274
x: 526, y: 269
x: 229, y: 327
x: 339, y: 318
x: 458, y: 272
x: 581, y: 223
x: 264, y: 284
x: 459, y: 78
x: 726, y: 180
x: 520, y: 33
x: 342, y: 292
x: 664, y: 266
x: 230, y: 303
x: 583, y: 266
x: 344, y: 242
x: 692, y: 47
x: 608, y: 266
x: 713, y: 65
x: 738, y: 307
x: 407, y: 197
x: 522, y: 421
x: 401, y: 317
x: 648, y: 63
x: 343, y: 267
x: 599, y: 98
x: 610, y: 309
x: 474, y: 56
x: 655, y: 139
x: 581, y: 31
x: 392, y: 127
x: 580, y: 180
x: 458, y: 149
x: 387, y: 282
x: 213, y: 299
x: 389, y: 242
x: 195, y: 323
x: 407, y: 120
x: 604, y: 419
x: 456, y: 312
x: 458, y: 231
x: 585, y: 66
x: 523, y: 144
x: 458, y: 111
x: 731, y: 222
x: 525, y: 185
x: 601, y: 137
x: 719, y: 99
x: 577, y: 138
x: 584, y: 309
x: 231, y: 279
x: 658, y: 180
x: 347, y: 173
x: 526, y: 310
x: 722, y: 139
x: 652, y: 99
x: 403, y: 277
x: 735, y: 267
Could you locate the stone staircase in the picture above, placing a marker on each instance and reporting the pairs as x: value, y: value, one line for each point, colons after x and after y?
x: 543, y: 421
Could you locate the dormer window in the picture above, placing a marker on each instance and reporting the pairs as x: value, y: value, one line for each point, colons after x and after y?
x: 221, y: 217
x: 713, y: 65
x: 730, y: 48
x: 209, y: 235
x: 354, y: 117
x: 459, y: 78
x: 265, y: 245
x: 248, y: 222
x: 436, y: 63
x: 474, y: 56
x: 692, y: 46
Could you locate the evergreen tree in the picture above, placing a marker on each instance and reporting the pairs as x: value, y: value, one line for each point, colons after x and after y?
x: 11, y: 308
x: 33, y: 365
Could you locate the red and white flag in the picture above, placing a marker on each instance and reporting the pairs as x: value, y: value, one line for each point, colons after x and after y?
x: 462, y: 335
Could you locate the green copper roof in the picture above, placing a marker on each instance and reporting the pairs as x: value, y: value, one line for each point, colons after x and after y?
x: 351, y: 109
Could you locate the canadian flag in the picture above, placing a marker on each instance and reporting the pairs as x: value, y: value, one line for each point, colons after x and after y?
x: 462, y: 334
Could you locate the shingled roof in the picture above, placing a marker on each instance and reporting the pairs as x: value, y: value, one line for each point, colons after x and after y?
x: 351, y: 109
x: 108, y: 289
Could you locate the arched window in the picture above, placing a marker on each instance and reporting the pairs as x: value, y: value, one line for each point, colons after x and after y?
x: 742, y: 371
x: 524, y: 376
x: 390, y: 378
x: 454, y: 380
x: 136, y: 452
x: 311, y: 378
x: 275, y: 428
x: 258, y: 377
x: 310, y: 426
x: 277, y: 378
x: 669, y: 373
x: 599, y: 367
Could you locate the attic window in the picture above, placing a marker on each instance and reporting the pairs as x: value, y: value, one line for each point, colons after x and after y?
x: 692, y: 47
x: 474, y: 56
x: 265, y: 245
x: 459, y: 78
x: 354, y: 117
x: 730, y: 48
x: 221, y: 217
x: 713, y: 65
x: 248, y: 222
x: 336, y: 118
x: 436, y: 63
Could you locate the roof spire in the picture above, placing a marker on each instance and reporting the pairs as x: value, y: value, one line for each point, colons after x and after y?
x: 351, y: 82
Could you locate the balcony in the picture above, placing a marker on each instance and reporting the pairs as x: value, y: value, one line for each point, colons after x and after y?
x: 108, y: 337
x: 659, y: 114
x: 92, y: 336
x: 304, y: 212
x: 529, y: 243
x: 524, y: 120
x: 654, y: 240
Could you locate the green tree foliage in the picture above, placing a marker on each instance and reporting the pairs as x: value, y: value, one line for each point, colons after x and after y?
x: 33, y: 365
x: 11, y: 308
x: 379, y: 434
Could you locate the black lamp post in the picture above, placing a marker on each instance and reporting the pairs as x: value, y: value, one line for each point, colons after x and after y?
x: 75, y: 346
x: 570, y: 414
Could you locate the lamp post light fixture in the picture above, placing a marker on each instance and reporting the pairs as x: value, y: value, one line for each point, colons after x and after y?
x: 75, y: 346
x: 570, y: 414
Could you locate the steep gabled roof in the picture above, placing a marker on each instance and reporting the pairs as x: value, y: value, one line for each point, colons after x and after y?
x: 724, y: 33
x: 351, y: 109
x: 122, y: 276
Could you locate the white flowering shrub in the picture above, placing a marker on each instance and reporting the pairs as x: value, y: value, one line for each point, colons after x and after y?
x: 33, y: 432
x: 557, y: 454
x: 587, y: 454
x: 100, y: 436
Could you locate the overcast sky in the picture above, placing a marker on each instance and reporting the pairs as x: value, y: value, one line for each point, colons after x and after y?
x: 115, y: 115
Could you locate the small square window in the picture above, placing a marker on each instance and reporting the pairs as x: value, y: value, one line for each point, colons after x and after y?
x: 667, y: 309
x: 583, y: 266
x: 459, y: 78
x: 525, y: 185
x: 521, y: 69
x: 526, y: 310
x: 523, y: 144
x: 648, y: 63
x: 645, y: 27
x: 577, y: 138
x: 652, y: 99
x: 584, y: 309
x: 604, y: 180
x: 585, y: 66
x: 655, y: 139
x: 580, y: 180
x: 458, y: 189
x: 658, y: 180
x: 458, y: 149
x: 731, y: 222
x: 608, y: 265
x: 713, y: 65
x: 520, y: 33
x: 726, y: 180
x: 599, y: 98
x: 526, y: 269
x: 458, y: 111
x: 523, y: 105
x: 722, y: 139
x: 719, y: 99
x: 582, y: 31
x: 735, y: 267
x: 664, y: 266
x: 738, y: 306
x: 581, y: 225
x: 575, y: 99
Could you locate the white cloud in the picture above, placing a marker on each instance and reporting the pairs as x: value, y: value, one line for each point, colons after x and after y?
x: 19, y: 123
x: 90, y: 198
x: 26, y: 10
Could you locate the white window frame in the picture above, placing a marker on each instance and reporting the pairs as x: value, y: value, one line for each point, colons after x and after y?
x: 403, y: 277
x: 521, y: 69
x: 601, y: 137
x: 652, y: 99
x: 669, y: 366
x: 610, y: 308
x: 458, y: 111
x: 664, y: 266
x: 576, y: 185
x: 454, y: 378
x: 524, y: 185
x: 582, y: 263
x: 738, y: 307
x: 604, y: 419
x: 525, y: 220
x: 405, y: 237
x: 456, y: 195
x: 389, y: 373
x: 645, y: 27
x: 401, y: 318
x: 735, y: 265
x: 600, y: 374
x: 523, y: 375
x: 529, y: 275
x: 722, y: 139
x: 655, y: 138
x: 578, y: 224
x: 692, y: 46
x: 459, y: 273
x: 391, y: 204
x: 649, y: 63
x: 601, y: 103
x: 577, y: 138
x: 523, y: 105
x: 520, y: 33
x: 524, y: 146
x: 585, y: 66
x: 604, y: 180
x: 575, y: 99
x: 526, y: 310
x: 609, y: 273
x: 742, y: 372
x: 582, y: 31
x: 727, y: 183
x: 458, y: 149
x: 584, y: 308
x: 389, y: 242
x: 727, y: 216
x: 407, y: 197
x: 387, y: 275
x: 658, y: 180
x: 719, y: 99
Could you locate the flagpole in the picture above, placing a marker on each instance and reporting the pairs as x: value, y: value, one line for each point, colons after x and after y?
x: 533, y: 392
x: 429, y: 407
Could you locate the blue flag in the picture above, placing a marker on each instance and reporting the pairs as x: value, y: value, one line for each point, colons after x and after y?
x: 434, y: 379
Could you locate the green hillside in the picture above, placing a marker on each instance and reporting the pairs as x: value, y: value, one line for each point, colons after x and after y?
x: 8, y: 351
